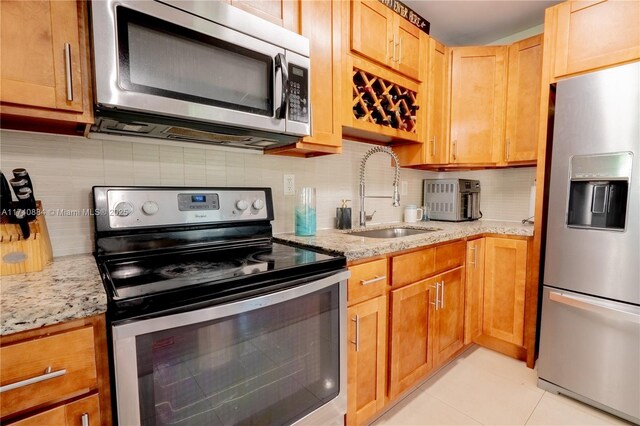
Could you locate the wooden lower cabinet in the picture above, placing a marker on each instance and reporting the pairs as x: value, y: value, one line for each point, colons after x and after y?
x: 366, y: 359
x: 474, y: 286
x: 504, y: 289
x: 448, y: 337
x: 85, y: 412
x: 411, y: 343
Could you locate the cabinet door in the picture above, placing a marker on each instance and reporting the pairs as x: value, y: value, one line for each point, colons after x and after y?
x: 474, y: 285
x: 85, y: 411
x: 36, y: 70
x: 448, y: 337
x: 366, y: 359
x: 596, y: 34
x: 407, y: 58
x: 411, y: 331
x: 504, y: 289
x: 438, y: 111
x: 523, y: 100
x: 320, y: 22
x: 372, y: 30
x: 478, y: 96
x: 280, y: 12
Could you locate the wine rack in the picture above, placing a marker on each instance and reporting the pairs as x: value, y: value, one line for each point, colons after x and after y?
x: 379, y: 101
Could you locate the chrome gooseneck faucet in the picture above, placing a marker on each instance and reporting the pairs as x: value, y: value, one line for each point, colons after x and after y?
x: 364, y: 218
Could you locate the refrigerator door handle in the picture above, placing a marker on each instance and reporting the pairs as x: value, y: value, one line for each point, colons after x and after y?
x: 589, y: 305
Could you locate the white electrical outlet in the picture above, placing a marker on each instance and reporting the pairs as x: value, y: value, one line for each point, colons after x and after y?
x: 404, y: 187
x: 289, y: 185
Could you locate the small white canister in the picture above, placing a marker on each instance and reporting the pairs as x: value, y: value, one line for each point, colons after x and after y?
x: 412, y: 213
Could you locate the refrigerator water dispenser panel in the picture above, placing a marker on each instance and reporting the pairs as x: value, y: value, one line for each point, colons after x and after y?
x: 598, y: 191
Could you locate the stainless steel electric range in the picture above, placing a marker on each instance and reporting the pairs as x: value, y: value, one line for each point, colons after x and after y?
x: 211, y: 321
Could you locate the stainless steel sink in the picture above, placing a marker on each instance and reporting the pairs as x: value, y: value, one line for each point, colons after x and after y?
x: 392, y: 232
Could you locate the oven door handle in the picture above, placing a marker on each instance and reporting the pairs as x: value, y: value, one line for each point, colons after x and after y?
x: 281, y: 64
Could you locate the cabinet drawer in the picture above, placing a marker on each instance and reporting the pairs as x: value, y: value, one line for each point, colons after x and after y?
x: 411, y: 267
x: 71, y: 414
x: 61, y: 366
x: 450, y: 256
x: 368, y: 280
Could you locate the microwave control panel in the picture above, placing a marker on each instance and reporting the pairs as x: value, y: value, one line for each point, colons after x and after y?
x: 298, y: 94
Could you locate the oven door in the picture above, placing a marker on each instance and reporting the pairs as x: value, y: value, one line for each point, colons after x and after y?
x: 157, y: 59
x: 274, y: 359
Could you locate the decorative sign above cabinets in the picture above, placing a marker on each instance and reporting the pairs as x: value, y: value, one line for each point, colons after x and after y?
x: 408, y: 14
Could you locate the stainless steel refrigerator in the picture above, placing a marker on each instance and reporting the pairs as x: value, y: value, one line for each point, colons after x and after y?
x: 590, y: 325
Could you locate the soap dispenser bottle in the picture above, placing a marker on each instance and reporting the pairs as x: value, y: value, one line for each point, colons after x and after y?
x: 343, y: 216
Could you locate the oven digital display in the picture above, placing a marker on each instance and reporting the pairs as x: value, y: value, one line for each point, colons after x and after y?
x: 191, y: 202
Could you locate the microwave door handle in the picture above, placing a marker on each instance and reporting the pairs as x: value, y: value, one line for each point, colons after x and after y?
x: 281, y: 63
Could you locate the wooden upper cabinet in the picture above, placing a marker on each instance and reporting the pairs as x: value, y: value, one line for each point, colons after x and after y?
x: 448, y: 337
x: 408, y: 53
x: 44, y: 65
x: 478, y: 96
x: 366, y: 357
x: 380, y: 34
x: 411, y: 340
x: 523, y: 100
x: 504, y: 289
x: 372, y: 30
x: 281, y: 12
x: 437, y: 143
x: 596, y: 34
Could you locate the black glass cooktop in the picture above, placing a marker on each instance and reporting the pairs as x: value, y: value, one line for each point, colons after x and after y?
x: 143, y: 276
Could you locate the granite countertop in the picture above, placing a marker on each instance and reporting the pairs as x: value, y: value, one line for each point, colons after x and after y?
x: 69, y: 288
x: 355, y: 247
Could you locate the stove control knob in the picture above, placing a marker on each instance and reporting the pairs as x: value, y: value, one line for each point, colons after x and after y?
x: 123, y: 209
x: 258, y: 204
x: 150, y: 207
x: 242, y: 205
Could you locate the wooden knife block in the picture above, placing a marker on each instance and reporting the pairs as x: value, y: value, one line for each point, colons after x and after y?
x: 18, y: 255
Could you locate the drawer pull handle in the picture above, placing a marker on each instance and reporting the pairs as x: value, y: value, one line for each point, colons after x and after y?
x: 68, y: 70
x: 373, y: 280
x: 85, y: 419
x: 48, y: 374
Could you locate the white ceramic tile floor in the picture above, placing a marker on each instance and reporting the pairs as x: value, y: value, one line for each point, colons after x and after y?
x: 485, y: 387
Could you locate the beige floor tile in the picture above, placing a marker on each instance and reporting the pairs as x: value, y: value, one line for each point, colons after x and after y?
x: 502, y: 365
x: 484, y: 396
x: 559, y: 410
x: 420, y: 408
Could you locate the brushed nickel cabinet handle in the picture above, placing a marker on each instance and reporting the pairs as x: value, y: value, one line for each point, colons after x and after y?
x: 390, y: 52
x: 85, y: 419
x: 373, y: 280
x: 442, y: 295
x: 455, y: 149
x: 356, y: 342
x: 400, y: 51
x: 47, y: 375
x: 67, y: 69
x: 506, y: 149
x: 437, y: 302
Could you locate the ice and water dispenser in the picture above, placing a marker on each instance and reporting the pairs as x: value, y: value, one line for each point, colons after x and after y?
x: 598, y: 191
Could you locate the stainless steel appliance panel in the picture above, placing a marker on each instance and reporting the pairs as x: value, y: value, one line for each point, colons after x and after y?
x: 452, y: 199
x: 590, y: 348
x: 595, y: 114
x: 179, y: 387
x: 239, y: 88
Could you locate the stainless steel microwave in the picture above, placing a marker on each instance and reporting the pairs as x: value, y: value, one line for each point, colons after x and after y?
x: 201, y: 71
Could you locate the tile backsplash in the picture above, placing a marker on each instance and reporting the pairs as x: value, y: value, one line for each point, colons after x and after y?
x: 64, y: 169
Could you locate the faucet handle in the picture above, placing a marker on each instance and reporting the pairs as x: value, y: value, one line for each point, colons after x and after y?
x: 369, y: 218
